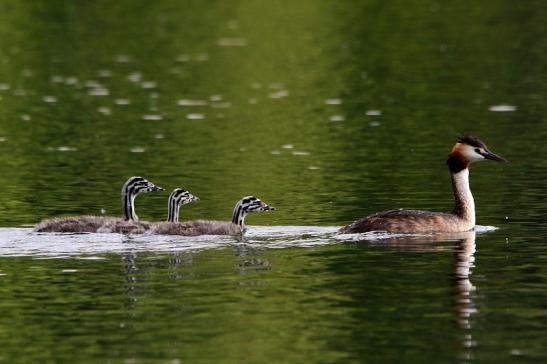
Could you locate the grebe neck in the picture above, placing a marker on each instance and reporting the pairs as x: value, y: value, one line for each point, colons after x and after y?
x: 464, y: 203
x: 128, y: 203
x: 238, y: 216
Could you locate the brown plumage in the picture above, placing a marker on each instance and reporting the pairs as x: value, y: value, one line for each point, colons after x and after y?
x: 197, y: 227
x: 467, y: 150
x: 76, y: 224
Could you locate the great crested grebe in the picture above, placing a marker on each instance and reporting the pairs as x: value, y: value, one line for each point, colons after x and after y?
x: 205, y: 227
x: 133, y: 187
x: 467, y: 150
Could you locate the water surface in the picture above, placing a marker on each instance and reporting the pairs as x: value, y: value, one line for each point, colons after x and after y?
x: 327, y: 111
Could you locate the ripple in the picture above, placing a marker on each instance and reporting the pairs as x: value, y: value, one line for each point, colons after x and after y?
x: 50, y: 99
x: 195, y: 116
x: 152, y: 117
x: 187, y: 102
x: 333, y: 101
x: 231, y: 42
x: 502, y: 108
x: 337, y: 118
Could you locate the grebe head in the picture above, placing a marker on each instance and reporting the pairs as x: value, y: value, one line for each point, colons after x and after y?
x: 137, y: 185
x: 467, y: 150
x: 177, y: 198
x: 180, y: 196
x: 247, y: 205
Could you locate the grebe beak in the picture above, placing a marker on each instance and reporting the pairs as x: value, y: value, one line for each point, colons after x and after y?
x: 493, y: 157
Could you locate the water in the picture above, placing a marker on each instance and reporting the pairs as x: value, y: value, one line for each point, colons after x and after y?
x: 327, y: 111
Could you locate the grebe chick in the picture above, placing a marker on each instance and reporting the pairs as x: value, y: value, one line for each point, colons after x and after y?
x: 467, y: 150
x: 244, y: 206
x: 133, y: 187
x: 177, y: 198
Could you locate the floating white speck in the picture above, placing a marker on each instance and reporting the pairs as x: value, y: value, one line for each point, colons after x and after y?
x: 253, y: 101
x: 123, y: 58
x: 104, y: 110
x: 104, y: 73
x: 2, y: 274
x: 276, y: 86
x: 278, y: 94
x: 149, y: 84
x: 313, y: 168
x: 215, y: 97
x: 4, y: 87
x: 374, y: 123
x: 71, y: 81
x: 99, y: 91
x: 19, y: 92
x: 275, y: 152
x: 221, y: 105
x: 64, y: 148
x: 296, y: 152
x: 159, y: 136
x: 333, y: 101
x: 182, y: 58
x: 185, y: 102
x: 287, y: 146
x: 152, y: 117
x: 92, y: 84
x: 373, y: 113
x: 202, y: 57
x: 195, y: 116
x: 49, y: 99
x: 336, y: 118
x: 232, y: 42
x: 502, y: 108
x: 69, y: 270
x: 137, y: 150
x: 25, y: 117
x: 134, y: 77
x: 2, y: 139
x: 256, y: 85
x: 154, y: 95
x: 57, y: 79
x: 122, y: 101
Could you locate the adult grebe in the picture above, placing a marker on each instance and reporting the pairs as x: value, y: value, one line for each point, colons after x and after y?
x: 467, y: 150
x: 133, y: 187
x: 244, y: 206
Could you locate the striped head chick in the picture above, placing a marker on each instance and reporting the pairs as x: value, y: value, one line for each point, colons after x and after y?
x: 467, y: 150
x: 133, y: 187
x: 177, y: 198
x: 247, y: 205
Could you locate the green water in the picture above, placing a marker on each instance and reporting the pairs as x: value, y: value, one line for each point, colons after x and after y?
x: 327, y: 111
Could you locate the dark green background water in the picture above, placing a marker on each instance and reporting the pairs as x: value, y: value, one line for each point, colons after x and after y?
x: 326, y: 110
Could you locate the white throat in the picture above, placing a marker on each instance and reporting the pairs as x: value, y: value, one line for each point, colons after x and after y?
x: 465, y: 205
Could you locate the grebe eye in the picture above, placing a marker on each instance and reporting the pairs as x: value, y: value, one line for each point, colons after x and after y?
x: 478, y: 150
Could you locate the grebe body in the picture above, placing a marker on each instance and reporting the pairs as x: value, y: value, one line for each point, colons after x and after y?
x: 133, y: 187
x: 467, y: 150
x: 243, y: 207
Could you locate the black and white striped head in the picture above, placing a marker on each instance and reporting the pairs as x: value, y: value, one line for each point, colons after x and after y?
x: 467, y: 150
x: 133, y: 187
x: 180, y: 196
x: 177, y: 198
x: 247, y: 205
x: 137, y: 185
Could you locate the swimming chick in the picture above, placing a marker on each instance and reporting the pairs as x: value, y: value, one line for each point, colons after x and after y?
x: 133, y: 187
x: 246, y: 205
x: 467, y: 150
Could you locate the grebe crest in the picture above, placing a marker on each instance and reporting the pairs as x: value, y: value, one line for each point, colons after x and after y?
x: 177, y: 198
x: 467, y: 150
